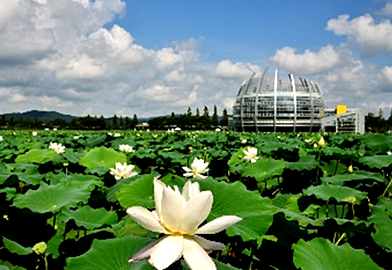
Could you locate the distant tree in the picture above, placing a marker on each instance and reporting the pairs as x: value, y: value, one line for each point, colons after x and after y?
x: 121, y: 123
x: 134, y: 121
x: 115, y: 122
x: 127, y: 122
x: 206, y: 113
x: 197, y: 112
x: 225, y: 118
x: 189, y: 112
x: 215, y: 118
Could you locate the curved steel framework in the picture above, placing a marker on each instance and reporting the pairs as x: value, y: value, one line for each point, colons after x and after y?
x: 270, y: 104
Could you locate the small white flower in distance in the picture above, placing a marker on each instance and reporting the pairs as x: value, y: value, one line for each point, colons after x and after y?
x: 178, y: 216
x: 250, y: 154
x: 126, y: 148
x: 1, y: 138
x: 34, y: 133
x: 57, y: 147
x: 198, y: 167
x: 122, y: 171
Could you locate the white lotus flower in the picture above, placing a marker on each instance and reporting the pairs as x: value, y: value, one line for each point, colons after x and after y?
x: 122, y: 171
x: 198, y: 167
x: 126, y: 148
x: 250, y: 154
x: 1, y: 138
x: 179, y: 216
x: 57, y: 147
x: 34, y: 133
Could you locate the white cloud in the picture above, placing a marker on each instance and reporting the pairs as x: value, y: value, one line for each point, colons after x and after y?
x: 370, y: 37
x: 387, y: 72
x: 17, y: 98
x: 387, y: 10
x: 309, y: 62
x: 82, y: 67
x: 227, y: 69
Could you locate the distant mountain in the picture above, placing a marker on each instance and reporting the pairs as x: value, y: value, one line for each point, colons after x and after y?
x: 42, y: 116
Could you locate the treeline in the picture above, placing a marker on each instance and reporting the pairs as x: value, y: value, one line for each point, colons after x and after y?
x: 189, y: 121
x: 82, y: 123
x: 186, y: 121
x: 378, y: 123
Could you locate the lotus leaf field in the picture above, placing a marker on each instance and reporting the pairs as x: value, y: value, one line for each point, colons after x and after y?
x: 304, y: 204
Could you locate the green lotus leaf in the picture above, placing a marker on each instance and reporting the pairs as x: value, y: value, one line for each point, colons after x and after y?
x: 111, y: 254
x: 378, y: 143
x: 263, y: 169
x: 4, y: 265
x: 10, y: 193
x: 234, y: 199
x: 307, y: 163
x: 90, y: 218
x: 137, y: 193
x: 378, y: 162
x: 4, y: 173
x: 219, y: 266
x: 27, y: 173
x: 55, y: 242
x: 341, y: 194
x: 102, y: 157
x: 75, y: 178
x: 96, y: 140
x: 52, y: 198
x: 337, y: 152
x: 14, y: 247
x: 36, y: 156
x: 321, y: 254
x: 382, y: 220
x: 127, y: 226
x: 340, y: 179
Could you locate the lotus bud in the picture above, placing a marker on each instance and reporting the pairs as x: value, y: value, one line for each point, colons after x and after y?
x: 321, y: 142
x: 40, y: 248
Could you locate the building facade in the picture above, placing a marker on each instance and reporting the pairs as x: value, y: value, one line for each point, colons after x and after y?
x: 273, y: 104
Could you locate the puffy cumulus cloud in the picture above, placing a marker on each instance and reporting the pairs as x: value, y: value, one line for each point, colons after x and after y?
x: 370, y: 37
x: 308, y: 62
x: 387, y: 72
x: 387, y: 9
x: 227, y: 69
x: 60, y: 55
x: 82, y: 67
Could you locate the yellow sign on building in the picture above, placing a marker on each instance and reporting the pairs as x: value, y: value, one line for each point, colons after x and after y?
x: 341, y: 108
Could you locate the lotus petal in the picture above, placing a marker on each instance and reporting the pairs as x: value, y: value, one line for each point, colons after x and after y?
x: 146, y: 219
x: 167, y: 251
x: 172, y: 209
x: 196, y: 211
x: 196, y: 257
x: 218, y: 224
x: 207, y: 244
x: 145, y: 252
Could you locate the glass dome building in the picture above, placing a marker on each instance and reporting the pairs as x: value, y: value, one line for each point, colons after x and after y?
x: 272, y: 104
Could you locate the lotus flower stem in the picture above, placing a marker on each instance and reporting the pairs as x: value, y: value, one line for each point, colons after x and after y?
x: 386, y: 189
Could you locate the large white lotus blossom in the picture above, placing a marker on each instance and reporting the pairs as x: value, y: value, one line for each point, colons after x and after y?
x: 122, y: 171
x: 178, y: 215
x: 57, y: 147
x: 198, y: 167
x: 126, y: 148
x: 250, y: 154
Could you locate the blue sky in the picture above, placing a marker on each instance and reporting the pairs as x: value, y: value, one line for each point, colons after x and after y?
x: 239, y: 30
x: 151, y: 57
